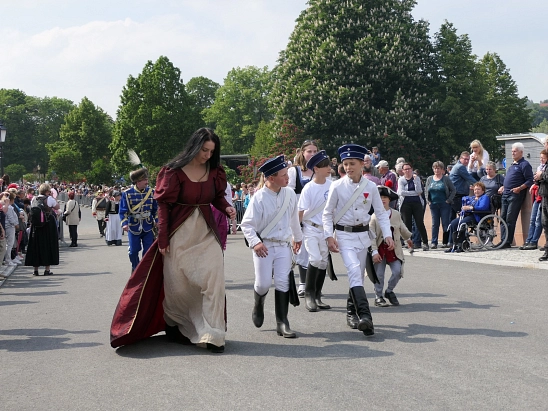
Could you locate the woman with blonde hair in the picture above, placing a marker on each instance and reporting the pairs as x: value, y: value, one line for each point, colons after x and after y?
x: 478, y: 160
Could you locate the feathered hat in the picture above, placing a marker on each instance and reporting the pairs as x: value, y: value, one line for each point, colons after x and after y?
x: 141, y: 173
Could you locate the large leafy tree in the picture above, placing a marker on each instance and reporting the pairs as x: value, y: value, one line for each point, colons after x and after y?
x: 32, y: 123
x: 241, y: 103
x: 202, y: 90
x: 510, y: 112
x: 155, y: 118
x: 84, y: 139
x: 463, y: 111
x: 356, y: 71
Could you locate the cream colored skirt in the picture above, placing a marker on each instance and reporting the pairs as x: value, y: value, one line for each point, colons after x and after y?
x: 194, y: 282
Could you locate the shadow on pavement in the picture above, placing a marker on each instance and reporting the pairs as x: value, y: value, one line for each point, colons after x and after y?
x: 159, y: 346
x: 42, y: 339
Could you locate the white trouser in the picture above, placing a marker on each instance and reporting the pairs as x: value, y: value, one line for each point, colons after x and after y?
x: 10, y: 240
x: 276, y: 264
x: 316, y: 246
x: 353, y: 248
x: 301, y: 257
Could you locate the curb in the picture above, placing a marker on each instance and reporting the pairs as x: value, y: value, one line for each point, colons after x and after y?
x: 460, y: 257
x: 5, y: 274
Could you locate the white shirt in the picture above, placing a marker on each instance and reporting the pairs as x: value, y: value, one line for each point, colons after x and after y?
x: 312, y: 196
x: 473, y: 165
x: 340, y: 193
x: 263, y: 208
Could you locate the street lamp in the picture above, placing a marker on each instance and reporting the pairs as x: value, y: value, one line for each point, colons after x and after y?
x: 3, y: 132
x: 38, y: 169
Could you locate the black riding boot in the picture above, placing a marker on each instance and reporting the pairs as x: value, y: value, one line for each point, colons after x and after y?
x: 362, y: 308
x: 310, y: 288
x: 281, y: 301
x: 258, y: 311
x: 320, y: 279
x: 351, y: 316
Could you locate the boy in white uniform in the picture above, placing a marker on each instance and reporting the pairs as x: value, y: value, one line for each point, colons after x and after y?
x: 272, y: 246
x: 352, y: 230
x: 311, y: 205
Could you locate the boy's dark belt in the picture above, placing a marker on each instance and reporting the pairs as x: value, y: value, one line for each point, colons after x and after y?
x: 352, y: 228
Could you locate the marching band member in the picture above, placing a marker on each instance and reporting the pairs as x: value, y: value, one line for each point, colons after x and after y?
x: 270, y: 223
x: 346, y: 217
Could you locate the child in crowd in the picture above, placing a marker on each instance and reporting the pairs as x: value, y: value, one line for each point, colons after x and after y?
x: 382, y: 255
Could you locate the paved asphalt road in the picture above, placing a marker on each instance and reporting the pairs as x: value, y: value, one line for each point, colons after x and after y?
x: 466, y: 336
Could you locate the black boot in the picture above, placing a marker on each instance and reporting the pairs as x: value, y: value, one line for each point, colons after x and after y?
x: 281, y: 301
x: 351, y: 316
x: 544, y: 256
x: 258, y: 310
x: 302, y: 280
x: 310, y: 288
x: 362, y: 308
x: 320, y: 279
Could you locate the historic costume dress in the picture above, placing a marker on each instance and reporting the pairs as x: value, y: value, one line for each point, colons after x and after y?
x: 113, y: 233
x: 191, y: 276
x: 43, y: 248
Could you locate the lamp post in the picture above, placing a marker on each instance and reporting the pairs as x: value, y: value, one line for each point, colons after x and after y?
x: 38, y: 169
x: 3, y: 132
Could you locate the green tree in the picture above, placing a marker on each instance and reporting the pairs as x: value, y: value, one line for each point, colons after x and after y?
x: 32, y: 123
x: 463, y: 112
x: 354, y: 71
x: 265, y: 138
x: 155, y: 118
x: 541, y: 128
x: 202, y: 90
x: 241, y: 103
x: 538, y: 113
x: 15, y: 171
x: 510, y: 112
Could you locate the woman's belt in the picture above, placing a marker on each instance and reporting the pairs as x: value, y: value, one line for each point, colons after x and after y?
x: 352, y: 228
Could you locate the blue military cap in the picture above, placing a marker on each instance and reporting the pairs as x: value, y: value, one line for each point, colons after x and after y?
x: 315, y: 159
x: 352, y: 151
x: 273, y: 165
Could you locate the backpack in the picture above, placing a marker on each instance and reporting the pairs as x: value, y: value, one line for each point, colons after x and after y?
x: 38, y: 216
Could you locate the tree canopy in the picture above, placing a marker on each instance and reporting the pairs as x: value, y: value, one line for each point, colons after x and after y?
x: 155, y: 118
x: 241, y: 103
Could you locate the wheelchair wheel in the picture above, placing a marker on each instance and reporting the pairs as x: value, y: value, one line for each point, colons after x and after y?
x: 466, y: 246
x: 492, y: 232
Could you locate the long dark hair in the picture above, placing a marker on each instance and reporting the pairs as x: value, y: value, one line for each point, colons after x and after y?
x: 193, y: 147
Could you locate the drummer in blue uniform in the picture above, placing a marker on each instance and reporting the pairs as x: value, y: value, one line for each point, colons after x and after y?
x: 138, y: 215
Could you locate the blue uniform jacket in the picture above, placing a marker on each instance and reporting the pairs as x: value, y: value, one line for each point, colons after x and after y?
x: 137, y: 214
x: 482, y: 204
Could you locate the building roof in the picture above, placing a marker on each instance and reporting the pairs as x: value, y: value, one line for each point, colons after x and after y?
x: 540, y: 137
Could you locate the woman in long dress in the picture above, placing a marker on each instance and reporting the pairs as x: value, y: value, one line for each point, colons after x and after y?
x: 43, y: 248
x: 113, y: 232
x: 193, y: 309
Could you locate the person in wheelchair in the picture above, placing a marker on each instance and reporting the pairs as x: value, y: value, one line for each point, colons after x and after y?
x: 473, y: 209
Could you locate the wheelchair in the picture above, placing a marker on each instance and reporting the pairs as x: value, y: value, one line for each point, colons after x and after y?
x: 490, y: 233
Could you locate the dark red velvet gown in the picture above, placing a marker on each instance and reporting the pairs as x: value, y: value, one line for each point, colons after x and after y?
x: 140, y: 313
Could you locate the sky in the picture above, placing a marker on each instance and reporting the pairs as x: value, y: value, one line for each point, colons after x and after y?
x: 73, y: 49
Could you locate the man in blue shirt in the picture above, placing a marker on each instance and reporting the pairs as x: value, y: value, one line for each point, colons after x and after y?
x: 461, y: 179
x: 519, y: 177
